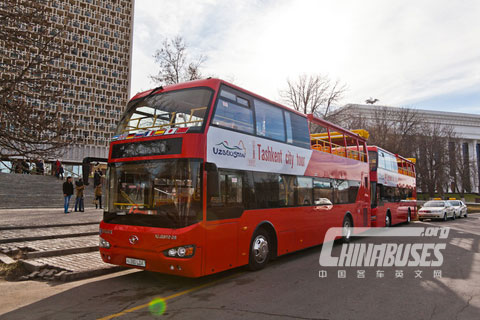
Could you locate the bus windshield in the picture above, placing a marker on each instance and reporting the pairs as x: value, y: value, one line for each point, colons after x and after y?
x: 174, y: 109
x: 158, y: 193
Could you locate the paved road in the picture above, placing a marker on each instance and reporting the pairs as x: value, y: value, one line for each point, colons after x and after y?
x: 290, y: 288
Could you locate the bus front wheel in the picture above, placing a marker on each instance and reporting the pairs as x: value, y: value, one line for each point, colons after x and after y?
x: 260, y: 249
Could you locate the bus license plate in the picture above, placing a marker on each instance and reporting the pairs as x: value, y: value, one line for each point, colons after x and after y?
x: 135, y: 262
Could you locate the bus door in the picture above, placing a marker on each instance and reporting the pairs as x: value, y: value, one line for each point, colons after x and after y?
x: 323, y: 204
x: 224, y: 206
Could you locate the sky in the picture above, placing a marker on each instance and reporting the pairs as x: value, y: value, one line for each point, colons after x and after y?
x: 421, y: 54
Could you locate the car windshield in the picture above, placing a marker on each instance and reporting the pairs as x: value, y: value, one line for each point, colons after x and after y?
x: 159, y: 193
x: 455, y: 203
x: 175, y: 109
x: 430, y: 204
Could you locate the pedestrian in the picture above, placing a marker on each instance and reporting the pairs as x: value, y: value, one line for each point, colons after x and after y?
x: 25, y: 167
x: 97, y: 178
x: 60, y: 172
x: 98, y: 196
x: 57, y: 168
x: 39, y: 166
x: 79, y: 190
x: 67, y: 193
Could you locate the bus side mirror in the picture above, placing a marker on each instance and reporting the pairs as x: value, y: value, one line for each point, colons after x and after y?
x: 213, y: 180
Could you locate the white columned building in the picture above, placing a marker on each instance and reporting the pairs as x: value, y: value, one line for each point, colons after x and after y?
x: 466, y: 127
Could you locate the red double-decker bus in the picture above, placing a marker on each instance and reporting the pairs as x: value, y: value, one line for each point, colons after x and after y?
x: 393, y: 188
x: 204, y: 176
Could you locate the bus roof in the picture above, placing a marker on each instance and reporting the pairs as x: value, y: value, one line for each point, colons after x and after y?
x: 213, y: 83
x: 376, y: 148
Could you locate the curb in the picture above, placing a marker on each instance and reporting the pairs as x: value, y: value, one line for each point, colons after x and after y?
x: 61, y: 236
x: 49, y: 226
x: 72, y: 276
x: 6, y: 259
x: 61, y: 252
x: 32, y: 266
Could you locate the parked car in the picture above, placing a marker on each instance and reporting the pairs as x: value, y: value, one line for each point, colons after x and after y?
x: 436, y: 209
x: 460, y: 208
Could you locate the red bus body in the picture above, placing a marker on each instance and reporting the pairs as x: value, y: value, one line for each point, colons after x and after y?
x: 393, y: 187
x: 296, y: 220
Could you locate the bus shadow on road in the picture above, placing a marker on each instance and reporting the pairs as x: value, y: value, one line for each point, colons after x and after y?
x: 435, y: 297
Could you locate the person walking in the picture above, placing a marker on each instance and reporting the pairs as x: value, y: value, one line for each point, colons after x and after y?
x: 79, y: 190
x: 98, y: 196
x: 57, y: 168
x: 40, y: 167
x: 97, y: 178
x: 60, y: 172
x: 67, y: 193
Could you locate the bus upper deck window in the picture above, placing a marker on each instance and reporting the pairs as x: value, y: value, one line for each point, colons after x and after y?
x: 269, y: 120
x: 231, y: 115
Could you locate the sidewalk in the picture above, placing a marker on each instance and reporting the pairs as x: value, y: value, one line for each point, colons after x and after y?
x: 46, y: 217
x: 50, y: 245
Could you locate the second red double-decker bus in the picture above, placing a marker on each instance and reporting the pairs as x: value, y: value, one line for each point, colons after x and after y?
x: 393, y: 188
x: 205, y: 176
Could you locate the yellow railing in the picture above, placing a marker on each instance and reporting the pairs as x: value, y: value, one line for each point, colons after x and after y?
x: 320, y: 144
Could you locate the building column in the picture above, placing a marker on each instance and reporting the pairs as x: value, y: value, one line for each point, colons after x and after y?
x: 476, y: 165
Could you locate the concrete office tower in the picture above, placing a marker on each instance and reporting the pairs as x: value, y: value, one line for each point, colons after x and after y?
x: 97, y: 63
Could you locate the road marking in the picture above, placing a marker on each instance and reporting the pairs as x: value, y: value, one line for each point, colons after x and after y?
x: 173, y: 296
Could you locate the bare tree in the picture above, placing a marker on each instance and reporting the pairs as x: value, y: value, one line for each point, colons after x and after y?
x: 30, y: 81
x: 432, y: 158
x: 315, y: 94
x: 176, y: 64
x: 395, y: 129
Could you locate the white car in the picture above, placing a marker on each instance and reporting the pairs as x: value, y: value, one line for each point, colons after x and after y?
x: 460, y: 208
x: 436, y: 209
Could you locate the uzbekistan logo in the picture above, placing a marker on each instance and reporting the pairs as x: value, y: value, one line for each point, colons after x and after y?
x: 223, y: 149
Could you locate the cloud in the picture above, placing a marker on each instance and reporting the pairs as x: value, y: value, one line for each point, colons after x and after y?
x: 402, y: 52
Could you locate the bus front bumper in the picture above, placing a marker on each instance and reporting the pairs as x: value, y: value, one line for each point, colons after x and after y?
x: 154, y: 261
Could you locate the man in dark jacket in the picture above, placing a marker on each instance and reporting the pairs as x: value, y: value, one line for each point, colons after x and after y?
x: 97, y: 178
x: 67, y: 192
x: 79, y: 189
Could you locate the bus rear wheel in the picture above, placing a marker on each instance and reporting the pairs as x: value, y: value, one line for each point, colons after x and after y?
x: 260, y: 250
x: 388, y: 220
x: 347, y: 229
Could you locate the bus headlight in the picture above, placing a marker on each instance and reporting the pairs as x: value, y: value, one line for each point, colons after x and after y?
x: 180, y: 252
x: 104, y: 244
